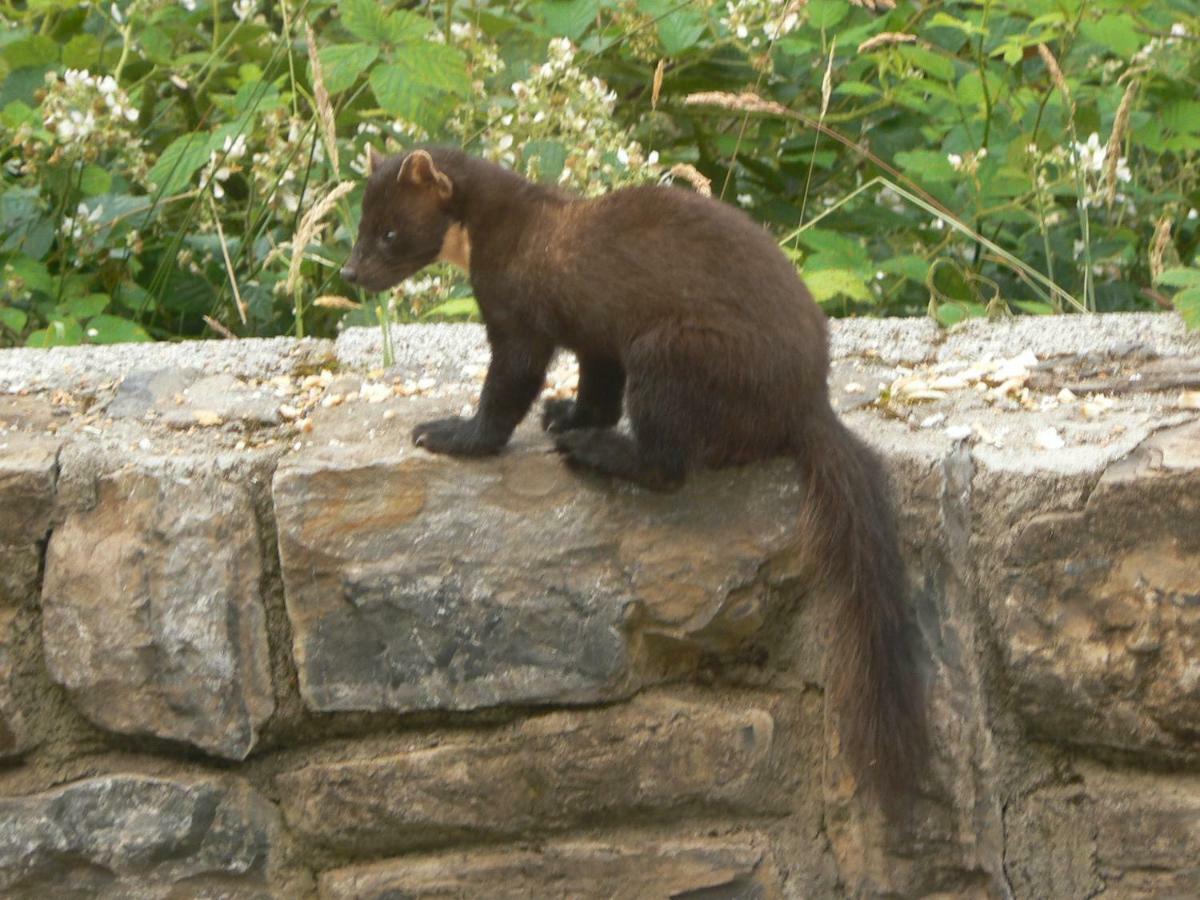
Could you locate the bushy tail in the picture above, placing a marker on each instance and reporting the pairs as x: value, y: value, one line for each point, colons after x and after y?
x: 872, y: 677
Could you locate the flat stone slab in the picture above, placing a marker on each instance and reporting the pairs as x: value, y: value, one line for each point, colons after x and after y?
x: 416, y: 583
x: 135, y: 836
x: 1100, y: 617
x: 734, y: 867
x: 28, y: 481
x: 647, y: 758
x: 1119, y: 834
x: 152, y: 615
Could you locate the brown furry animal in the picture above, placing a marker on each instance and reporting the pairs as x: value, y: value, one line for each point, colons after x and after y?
x: 686, y: 312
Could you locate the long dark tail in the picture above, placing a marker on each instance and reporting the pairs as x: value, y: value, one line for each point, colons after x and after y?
x: 872, y: 677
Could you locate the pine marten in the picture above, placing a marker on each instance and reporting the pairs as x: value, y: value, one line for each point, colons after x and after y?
x: 684, y: 312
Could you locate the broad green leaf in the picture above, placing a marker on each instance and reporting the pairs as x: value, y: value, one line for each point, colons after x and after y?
x: 457, y: 308
x: 934, y: 63
x: 257, y: 97
x: 569, y: 18
x: 551, y: 157
x: 37, y: 50
x: 16, y: 114
x: 1181, y: 116
x: 827, y: 284
x: 33, y: 273
x: 679, y: 27
x: 1118, y: 33
x: 59, y: 333
x: 834, y: 251
x: 95, y: 180
x: 343, y: 63
x: 81, y: 51
x: 945, y: 20
x: 369, y: 20
x: 953, y: 313
x: 86, y: 307
x: 912, y: 267
x: 114, y: 330
x: 13, y: 319
x: 856, y: 89
x: 826, y: 13
x: 411, y: 86
x: 1188, y: 304
x: 1185, y: 278
x: 183, y: 157
x: 926, y: 166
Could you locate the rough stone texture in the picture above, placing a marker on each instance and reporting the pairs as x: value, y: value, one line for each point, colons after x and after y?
x: 152, y: 616
x: 652, y: 758
x: 97, y: 368
x: 1112, y: 835
x: 739, y: 867
x: 134, y: 837
x: 413, y: 584
x: 28, y: 472
x: 183, y: 398
x: 1100, y: 622
x: 424, y: 616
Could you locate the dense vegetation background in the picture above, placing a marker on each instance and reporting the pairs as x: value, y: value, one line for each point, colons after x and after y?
x: 181, y: 167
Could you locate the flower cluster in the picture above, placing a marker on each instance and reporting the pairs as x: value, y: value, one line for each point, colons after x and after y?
x: 759, y: 22
x: 969, y: 163
x: 275, y: 169
x: 1152, y: 50
x: 223, y: 164
x: 89, y: 117
x: 558, y: 102
x: 1090, y: 157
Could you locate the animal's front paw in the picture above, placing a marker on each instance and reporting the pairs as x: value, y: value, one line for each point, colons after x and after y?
x: 559, y: 416
x: 456, y: 436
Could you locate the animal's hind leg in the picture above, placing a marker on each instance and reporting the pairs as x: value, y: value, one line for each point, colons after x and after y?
x: 667, y: 409
x: 598, y: 405
x: 607, y: 451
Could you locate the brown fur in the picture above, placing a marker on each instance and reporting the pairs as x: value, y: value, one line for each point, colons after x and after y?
x: 685, y: 312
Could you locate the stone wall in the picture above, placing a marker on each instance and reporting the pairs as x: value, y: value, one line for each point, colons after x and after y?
x: 254, y: 644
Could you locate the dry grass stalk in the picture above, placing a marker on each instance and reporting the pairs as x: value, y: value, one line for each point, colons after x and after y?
x: 1056, y: 74
x: 334, y: 301
x: 827, y: 82
x: 1159, y: 244
x: 219, y: 328
x: 1112, y: 154
x: 886, y: 38
x: 692, y: 176
x: 309, y: 226
x: 656, y: 86
x: 321, y: 97
x: 237, y: 294
x: 874, y: 5
x: 743, y: 102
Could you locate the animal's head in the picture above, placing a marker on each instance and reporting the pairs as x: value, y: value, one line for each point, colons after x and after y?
x: 405, y: 219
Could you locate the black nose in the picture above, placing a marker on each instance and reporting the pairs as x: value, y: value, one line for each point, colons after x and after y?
x: 350, y: 274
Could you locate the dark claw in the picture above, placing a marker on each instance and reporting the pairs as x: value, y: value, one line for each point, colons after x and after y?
x: 454, y: 436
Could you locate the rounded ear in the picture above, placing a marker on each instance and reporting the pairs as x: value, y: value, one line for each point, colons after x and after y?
x: 374, y: 160
x: 420, y: 170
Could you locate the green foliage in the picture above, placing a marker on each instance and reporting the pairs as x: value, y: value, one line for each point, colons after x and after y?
x: 156, y: 153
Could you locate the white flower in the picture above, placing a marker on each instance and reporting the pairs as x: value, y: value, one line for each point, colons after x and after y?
x: 189, y: 5
x: 955, y: 160
x: 1091, y: 155
x: 244, y: 9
